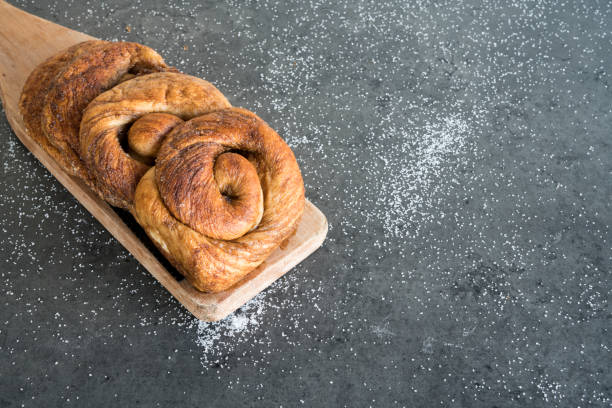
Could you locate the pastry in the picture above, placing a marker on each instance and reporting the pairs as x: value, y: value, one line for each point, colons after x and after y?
x: 58, y: 90
x: 132, y: 110
x: 225, y: 192
x: 214, y: 187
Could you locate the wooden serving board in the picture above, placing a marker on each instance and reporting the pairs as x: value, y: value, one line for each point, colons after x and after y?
x: 26, y: 41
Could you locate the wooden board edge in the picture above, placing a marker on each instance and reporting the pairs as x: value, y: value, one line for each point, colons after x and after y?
x: 101, y: 211
x: 213, y: 311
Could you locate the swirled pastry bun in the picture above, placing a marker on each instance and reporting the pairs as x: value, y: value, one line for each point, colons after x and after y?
x: 226, y: 191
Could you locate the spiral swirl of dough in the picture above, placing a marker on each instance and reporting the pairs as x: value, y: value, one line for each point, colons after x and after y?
x: 226, y: 191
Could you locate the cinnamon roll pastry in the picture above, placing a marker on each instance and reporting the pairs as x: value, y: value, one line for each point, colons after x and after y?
x: 213, y: 186
x: 58, y: 90
x: 225, y: 192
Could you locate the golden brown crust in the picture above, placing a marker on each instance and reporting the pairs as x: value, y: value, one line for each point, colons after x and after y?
x: 36, y: 87
x: 147, y: 133
x: 57, y: 92
x: 107, y: 116
x: 179, y: 197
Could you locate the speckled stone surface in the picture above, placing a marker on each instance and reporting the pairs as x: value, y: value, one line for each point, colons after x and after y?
x: 461, y: 151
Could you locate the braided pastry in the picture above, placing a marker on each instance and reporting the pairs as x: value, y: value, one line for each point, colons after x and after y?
x: 213, y: 186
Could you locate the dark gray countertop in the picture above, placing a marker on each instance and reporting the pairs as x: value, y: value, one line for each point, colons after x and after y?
x: 461, y: 151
